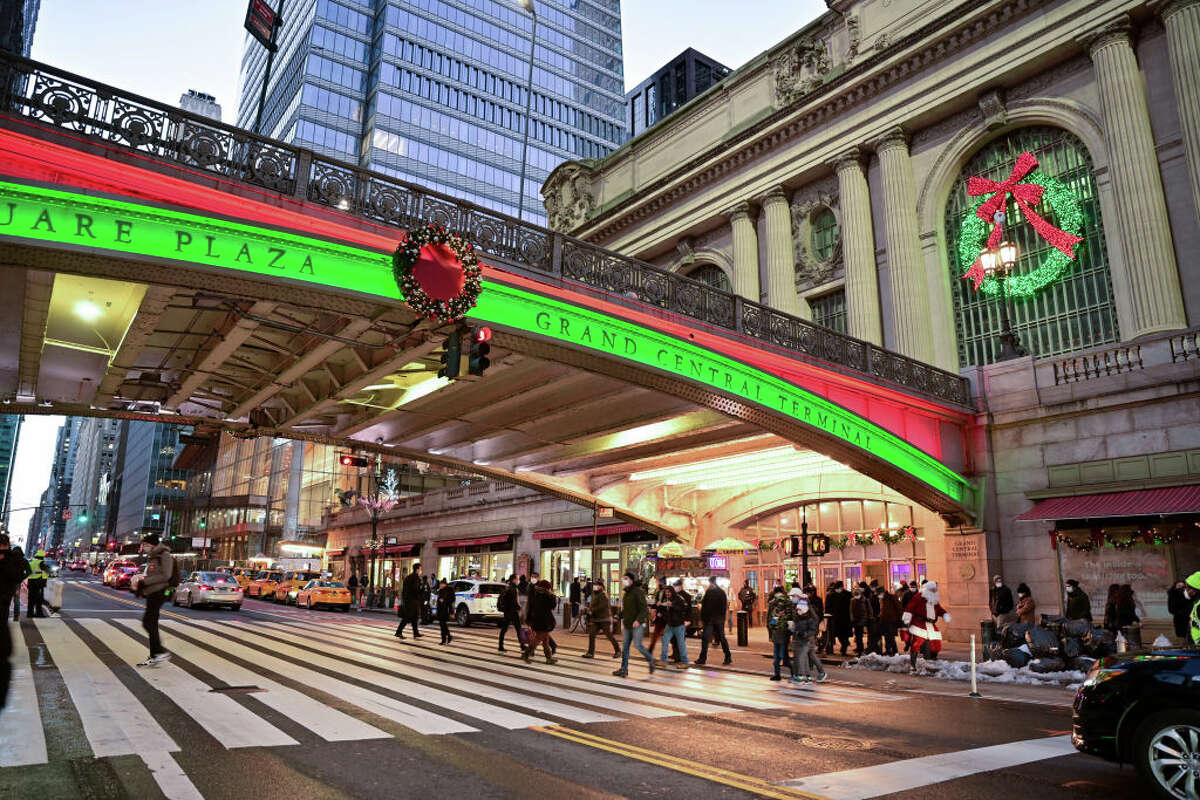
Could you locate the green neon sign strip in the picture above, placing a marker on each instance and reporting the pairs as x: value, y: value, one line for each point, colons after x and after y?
x: 78, y: 220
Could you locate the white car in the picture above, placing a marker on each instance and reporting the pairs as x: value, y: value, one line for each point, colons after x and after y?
x: 475, y: 599
x: 209, y: 589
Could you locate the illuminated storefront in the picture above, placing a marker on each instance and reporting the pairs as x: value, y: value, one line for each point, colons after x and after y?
x: 487, y: 557
x: 569, y: 553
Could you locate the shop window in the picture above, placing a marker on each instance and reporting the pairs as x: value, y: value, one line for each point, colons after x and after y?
x: 1073, y: 313
x: 900, y: 572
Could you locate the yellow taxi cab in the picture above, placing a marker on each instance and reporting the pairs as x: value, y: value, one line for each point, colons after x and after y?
x: 286, y: 590
x: 332, y: 594
x: 243, y: 575
x: 264, y: 585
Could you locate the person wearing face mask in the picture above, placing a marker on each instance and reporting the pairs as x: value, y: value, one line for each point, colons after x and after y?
x: 780, y: 613
x: 1025, y: 605
x: 890, y: 612
x: 1000, y: 601
x: 635, y: 615
x: 160, y: 568
x: 1078, y: 605
x: 921, y: 616
x: 805, y: 625
x: 599, y: 620
x: 860, y: 618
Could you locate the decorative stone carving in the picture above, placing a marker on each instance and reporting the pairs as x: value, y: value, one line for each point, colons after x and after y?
x: 806, y: 204
x: 994, y: 113
x: 800, y: 69
x: 686, y: 248
x: 883, y: 42
x: 567, y: 196
x: 854, y: 34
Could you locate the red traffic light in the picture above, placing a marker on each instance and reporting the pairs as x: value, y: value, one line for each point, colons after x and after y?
x: 348, y: 460
x: 482, y: 334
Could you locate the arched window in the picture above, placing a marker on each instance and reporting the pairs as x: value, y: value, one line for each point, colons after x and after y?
x: 712, y: 275
x: 1073, y: 313
x: 824, y: 234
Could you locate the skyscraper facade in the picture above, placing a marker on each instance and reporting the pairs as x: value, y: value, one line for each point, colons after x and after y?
x: 435, y: 91
x: 93, y: 475
x: 62, y: 474
x: 688, y: 75
x: 149, y: 481
x: 200, y: 103
x: 10, y: 434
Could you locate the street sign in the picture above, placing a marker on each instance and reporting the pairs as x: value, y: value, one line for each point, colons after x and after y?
x: 67, y: 513
x: 605, y: 512
x: 263, y: 23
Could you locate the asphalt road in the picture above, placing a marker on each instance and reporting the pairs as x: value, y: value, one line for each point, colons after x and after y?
x: 279, y: 702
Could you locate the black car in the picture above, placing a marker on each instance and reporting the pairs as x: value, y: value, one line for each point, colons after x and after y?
x: 1144, y: 707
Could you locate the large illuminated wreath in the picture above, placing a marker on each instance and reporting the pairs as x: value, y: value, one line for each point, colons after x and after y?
x: 983, y: 227
x: 437, y: 273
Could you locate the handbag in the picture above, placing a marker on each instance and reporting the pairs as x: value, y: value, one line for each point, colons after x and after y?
x: 524, y: 635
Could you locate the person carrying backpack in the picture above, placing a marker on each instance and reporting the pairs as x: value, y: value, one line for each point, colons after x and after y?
x: 161, y: 575
x: 509, y: 605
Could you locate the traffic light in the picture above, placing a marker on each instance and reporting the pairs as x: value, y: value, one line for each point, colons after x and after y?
x: 83, y: 517
x: 452, y: 357
x: 818, y: 544
x: 348, y: 460
x: 203, y: 523
x: 793, y: 546
x: 478, y: 362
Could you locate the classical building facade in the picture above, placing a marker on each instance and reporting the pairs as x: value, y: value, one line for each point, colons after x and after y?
x: 828, y: 177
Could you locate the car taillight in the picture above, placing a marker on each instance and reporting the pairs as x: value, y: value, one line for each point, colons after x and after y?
x: 204, y: 587
x: 239, y: 589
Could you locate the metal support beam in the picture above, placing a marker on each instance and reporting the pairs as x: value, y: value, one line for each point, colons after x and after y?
x: 145, y: 323
x: 38, y: 287
x: 204, y: 367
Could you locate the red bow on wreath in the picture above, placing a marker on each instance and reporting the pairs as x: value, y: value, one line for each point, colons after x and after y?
x: 1026, y: 196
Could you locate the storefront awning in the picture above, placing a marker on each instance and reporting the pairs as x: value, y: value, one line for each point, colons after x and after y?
x: 579, y: 533
x: 397, y: 549
x: 335, y: 553
x: 1137, y: 503
x: 472, y: 542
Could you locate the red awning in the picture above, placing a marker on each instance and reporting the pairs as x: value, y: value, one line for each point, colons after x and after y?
x: 579, y: 533
x: 335, y: 553
x: 471, y: 542
x: 1138, y: 503
x: 397, y: 549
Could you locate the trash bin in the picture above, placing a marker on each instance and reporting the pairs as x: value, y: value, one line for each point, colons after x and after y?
x: 743, y: 629
x: 987, y: 633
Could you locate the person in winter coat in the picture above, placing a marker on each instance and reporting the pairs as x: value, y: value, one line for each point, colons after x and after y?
x: 921, y: 616
x: 780, y: 612
x: 12, y: 573
x: 890, y: 613
x: 160, y: 567
x: 600, y: 620
x: 714, y: 606
x: 1000, y: 602
x: 410, y: 602
x: 805, y: 626
x: 860, y: 618
x: 445, y: 602
x: 1179, y: 606
x: 1025, y: 608
x: 540, y: 616
x: 676, y: 609
x: 635, y: 616
x: 575, y: 595
x: 1078, y: 604
x: 837, y: 605
x: 747, y: 597
x: 1120, y: 612
x: 509, y: 605
x: 352, y: 587
x: 15, y: 555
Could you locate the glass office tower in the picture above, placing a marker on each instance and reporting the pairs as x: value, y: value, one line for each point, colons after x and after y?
x: 434, y: 91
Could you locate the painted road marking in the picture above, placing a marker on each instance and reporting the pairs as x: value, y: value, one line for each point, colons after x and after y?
x: 230, y: 723
x: 22, y: 740
x: 913, y: 773
x: 328, y: 723
x: 170, y: 777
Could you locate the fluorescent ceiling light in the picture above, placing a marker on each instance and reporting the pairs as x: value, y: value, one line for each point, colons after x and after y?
x: 87, y: 310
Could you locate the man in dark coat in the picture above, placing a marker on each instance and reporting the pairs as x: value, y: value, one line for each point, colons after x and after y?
x: 12, y: 572
x: 445, y: 602
x: 1078, y: 605
x: 1000, y: 601
x: 539, y: 613
x: 837, y: 605
x: 410, y: 602
x: 747, y: 596
x: 713, y: 608
x: 509, y: 605
x: 576, y: 596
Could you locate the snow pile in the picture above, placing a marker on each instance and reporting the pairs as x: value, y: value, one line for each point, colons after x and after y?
x: 987, y: 671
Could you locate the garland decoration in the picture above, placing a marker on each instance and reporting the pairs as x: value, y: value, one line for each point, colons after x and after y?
x: 438, y: 273
x: 839, y: 542
x: 1121, y: 543
x: 974, y: 236
x: 864, y: 539
x: 1063, y: 537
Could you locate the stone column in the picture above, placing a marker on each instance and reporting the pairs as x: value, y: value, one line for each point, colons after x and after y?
x: 909, y: 301
x: 781, y: 253
x: 858, y: 249
x: 1181, y: 18
x: 745, y: 252
x: 1151, y: 273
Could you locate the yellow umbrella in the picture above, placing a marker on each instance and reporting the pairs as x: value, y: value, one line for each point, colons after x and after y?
x: 729, y: 545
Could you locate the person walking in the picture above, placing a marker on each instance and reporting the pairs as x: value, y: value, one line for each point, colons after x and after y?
x: 352, y: 586
x: 1026, y: 607
x: 780, y: 613
x: 17, y: 556
x: 1000, y: 602
x: 509, y: 605
x: 445, y: 602
x: 635, y: 616
x: 540, y: 615
x: 860, y: 617
x: 804, y: 634
x: 658, y: 609
x: 600, y: 620
x: 921, y: 616
x: 890, y: 612
x: 714, y: 607
x: 410, y: 602
x: 160, y: 576
x: 12, y: 573
x: 575, y: 596
x: 837, y: 605
x: 676, y: 630
x: 35, y: 586
x: 747, y: 597
x: 1179, y: 606
x: 1078, y: 605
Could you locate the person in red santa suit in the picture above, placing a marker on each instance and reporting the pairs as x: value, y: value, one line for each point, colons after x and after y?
x: 921, y: 616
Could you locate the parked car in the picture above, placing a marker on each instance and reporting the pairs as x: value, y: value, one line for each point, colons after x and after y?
x: 1143, y: 708
x: 287, y: 589
x: 331, y: 594
x: 118, y: 573
x: 475, y: 600
x: 264, y: 585
x: 209, y: 589
x: 135, y: 580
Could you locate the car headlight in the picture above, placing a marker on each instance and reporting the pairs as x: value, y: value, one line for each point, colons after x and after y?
x: 1098, y: 676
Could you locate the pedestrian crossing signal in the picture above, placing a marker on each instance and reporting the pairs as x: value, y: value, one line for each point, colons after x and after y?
x: 818, y: 544
x: 478, y: 361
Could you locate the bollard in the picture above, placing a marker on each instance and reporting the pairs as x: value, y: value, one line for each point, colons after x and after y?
x: 974, y: 683
x: 743, y: 629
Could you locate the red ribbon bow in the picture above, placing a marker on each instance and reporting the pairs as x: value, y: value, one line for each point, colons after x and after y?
x: 1026, y: 196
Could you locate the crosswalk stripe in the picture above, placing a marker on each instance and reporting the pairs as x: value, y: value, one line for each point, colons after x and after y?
x: 169, y: 776
x: 557, y: 678
x: 467, y: 680
x: 114, y: 722
x: 412, y: 717
x: 231, y: 724
x: 22, y: 740
x: 328, y: 723
x: 495, y: 715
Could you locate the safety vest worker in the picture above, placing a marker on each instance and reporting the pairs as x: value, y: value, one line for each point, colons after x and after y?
x: 38, y: 567
x: 1194, y: 582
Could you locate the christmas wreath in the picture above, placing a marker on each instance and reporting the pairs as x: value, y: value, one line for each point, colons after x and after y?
x: 983, y: 225
x: 438, y: 273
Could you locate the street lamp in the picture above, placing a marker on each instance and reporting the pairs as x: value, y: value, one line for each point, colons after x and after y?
x: 528, y: 6
x: 998, y: 262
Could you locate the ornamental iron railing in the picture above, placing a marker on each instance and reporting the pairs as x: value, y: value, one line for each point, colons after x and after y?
x: 60, y: 99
